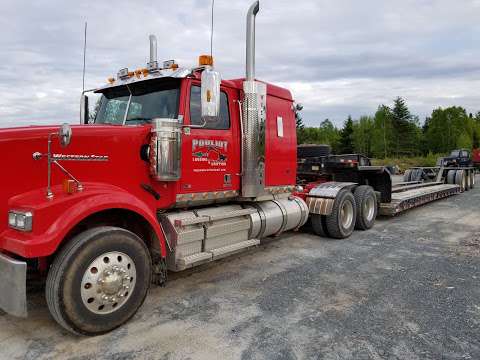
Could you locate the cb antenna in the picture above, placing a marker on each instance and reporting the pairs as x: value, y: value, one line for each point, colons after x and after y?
x: 84, y: 56
x: 211, y: 31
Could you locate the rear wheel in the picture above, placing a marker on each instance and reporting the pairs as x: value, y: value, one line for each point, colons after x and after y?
x: 366, y: 202
x: 451, y: 177
x: 318, y: 225
x: 341, y: 222
x: 467, y: 180
x: 460, y: 179
x: 98, y: 280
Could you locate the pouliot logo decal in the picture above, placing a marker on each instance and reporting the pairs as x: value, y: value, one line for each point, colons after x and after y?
x: 211, y: 152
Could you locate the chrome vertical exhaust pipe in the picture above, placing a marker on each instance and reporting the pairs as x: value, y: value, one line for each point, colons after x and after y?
x: 153, y: 48
x: 253, y: 119
x: 152, y: 65
x: 250, y: 50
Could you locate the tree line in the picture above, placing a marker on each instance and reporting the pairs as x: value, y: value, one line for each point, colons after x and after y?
x: 393, y: 131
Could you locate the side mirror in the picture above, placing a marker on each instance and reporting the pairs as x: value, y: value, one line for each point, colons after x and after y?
x: 65, y: 135
x: 210, y: 94
x: 84, y: 116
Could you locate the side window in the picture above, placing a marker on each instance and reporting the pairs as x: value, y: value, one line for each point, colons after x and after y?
x: 223, y: 120
x: 464, y: 154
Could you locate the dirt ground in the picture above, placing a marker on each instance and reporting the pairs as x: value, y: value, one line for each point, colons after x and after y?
x: 407, y: 289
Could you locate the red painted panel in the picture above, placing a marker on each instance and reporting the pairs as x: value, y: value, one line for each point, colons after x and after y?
x: 280, y: 151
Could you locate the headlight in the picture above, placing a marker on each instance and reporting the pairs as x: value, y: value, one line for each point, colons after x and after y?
x: 20, y: 220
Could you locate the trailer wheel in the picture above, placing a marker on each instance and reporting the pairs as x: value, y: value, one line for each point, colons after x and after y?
x: 98, y: 280
x: 318, y: 225
x: 460, y: 179
x: 417, y: 175
x: 366, y: 202
x: 406, y: 176
x: 341, y: 222
x: 467, y: 180
x: 451, y: 177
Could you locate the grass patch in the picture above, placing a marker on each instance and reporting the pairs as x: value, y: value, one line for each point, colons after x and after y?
x: 407, y: 162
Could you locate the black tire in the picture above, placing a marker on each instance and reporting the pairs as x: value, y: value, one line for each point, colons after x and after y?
x: 366, y: 202
x: 416, y: 175
x: 334, y: 224
x: 64, y: 287
x: 467, y: 180
x: 460, y: 179
x: 318, y: 225
x: 406, y: 176
x: 311, y: 151
x: 451, y: 177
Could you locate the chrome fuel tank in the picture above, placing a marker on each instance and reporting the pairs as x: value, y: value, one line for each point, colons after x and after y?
x: 276, y: 216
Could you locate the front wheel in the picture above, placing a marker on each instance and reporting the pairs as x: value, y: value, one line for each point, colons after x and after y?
x: 98, y: 280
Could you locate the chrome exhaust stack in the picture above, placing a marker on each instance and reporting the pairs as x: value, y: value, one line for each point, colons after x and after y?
x: 153, y: 63
x: 253, y: 118
x: 250, y: 51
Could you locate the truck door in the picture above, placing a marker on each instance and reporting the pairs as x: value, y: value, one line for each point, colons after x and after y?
x: 211, y: 154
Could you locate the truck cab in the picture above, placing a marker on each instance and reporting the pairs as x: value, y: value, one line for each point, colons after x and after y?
x: 173, y: 168
x: 458, y: 157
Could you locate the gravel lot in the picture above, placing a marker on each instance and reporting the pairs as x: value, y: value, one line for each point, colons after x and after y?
x: 407, y: 289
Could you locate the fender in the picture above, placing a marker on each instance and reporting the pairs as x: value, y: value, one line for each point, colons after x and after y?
x: 320, y: 199
x: 50, y: 228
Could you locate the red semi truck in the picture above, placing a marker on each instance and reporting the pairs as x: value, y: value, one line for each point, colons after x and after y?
x: 175, y: 169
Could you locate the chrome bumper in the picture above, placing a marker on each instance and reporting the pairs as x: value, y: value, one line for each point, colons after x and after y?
x: 13, y: 286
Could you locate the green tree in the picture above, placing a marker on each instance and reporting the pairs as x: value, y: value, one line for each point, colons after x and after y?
x: 382, y: 142
x: 363, y: 135
x: 450, y: 128
x: 405, y: 129
x: 346, y: 137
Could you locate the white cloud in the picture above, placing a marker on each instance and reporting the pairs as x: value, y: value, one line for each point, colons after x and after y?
x: 339, y: 57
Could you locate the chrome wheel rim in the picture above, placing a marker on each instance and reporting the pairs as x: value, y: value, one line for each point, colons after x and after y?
x: 346, y: 214
x: 108, y: 282
x: 369, y: 208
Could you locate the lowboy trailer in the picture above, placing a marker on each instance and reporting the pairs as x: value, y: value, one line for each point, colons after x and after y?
x: 326, y: 176
x: 175, y: 169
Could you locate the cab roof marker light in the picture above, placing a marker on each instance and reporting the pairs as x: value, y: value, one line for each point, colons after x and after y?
x: 122, y: 73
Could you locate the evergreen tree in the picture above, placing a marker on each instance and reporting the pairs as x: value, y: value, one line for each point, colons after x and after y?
x: 299, y: 122
x: 346, y: 137
x: 403, y: 129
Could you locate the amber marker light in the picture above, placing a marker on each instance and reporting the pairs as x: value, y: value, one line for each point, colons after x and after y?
x: 69, y: 186
x: 205, y: 60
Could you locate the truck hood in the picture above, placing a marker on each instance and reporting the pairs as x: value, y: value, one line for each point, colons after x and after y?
x: 21, y: 173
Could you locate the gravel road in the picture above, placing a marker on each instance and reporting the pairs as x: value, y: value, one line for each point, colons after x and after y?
x: 407, y: 289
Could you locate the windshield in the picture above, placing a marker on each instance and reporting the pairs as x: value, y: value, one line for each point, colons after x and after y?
x: 455, y: 153
x: 150, y: 99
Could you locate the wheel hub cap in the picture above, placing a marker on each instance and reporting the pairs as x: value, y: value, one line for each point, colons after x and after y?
x: 108, y: 282
x: 346, y: 214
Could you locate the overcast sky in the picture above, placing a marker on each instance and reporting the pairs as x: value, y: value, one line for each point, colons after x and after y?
x: 338, y: 57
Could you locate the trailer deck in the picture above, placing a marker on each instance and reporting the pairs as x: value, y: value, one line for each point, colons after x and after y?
x: 409, y: 195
